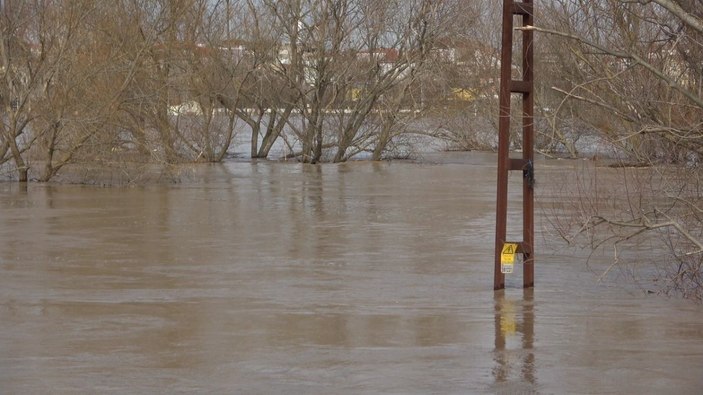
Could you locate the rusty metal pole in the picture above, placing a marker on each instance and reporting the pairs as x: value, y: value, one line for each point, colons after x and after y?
x: 508, y: 86
x: 503, y: 140
x: 528, y: 104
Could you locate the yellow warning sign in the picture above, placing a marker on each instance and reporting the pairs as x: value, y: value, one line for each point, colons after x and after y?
x: 507, y: 255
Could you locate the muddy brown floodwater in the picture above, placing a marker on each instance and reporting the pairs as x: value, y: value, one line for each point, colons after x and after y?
x: 282, y: 278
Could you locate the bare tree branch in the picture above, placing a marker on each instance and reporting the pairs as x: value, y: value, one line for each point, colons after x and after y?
x: 689, y: 19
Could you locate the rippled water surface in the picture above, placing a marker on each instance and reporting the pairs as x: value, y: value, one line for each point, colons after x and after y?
x: 271, y: 278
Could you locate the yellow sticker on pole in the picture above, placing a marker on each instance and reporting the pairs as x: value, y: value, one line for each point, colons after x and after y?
x: 507, y: 257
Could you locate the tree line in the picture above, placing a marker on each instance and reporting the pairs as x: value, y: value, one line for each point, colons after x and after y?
x: 167, y: 80
x: 170, y: 81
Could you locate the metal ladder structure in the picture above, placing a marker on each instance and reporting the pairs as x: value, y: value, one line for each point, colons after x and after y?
x: 523, y: 10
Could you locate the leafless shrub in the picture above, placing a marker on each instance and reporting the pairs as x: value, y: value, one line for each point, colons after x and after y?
x: 645, y: 216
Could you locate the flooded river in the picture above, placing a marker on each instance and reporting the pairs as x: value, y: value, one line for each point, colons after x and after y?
x: 282, y: 278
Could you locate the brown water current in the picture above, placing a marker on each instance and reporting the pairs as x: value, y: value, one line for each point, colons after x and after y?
x: 283, y: 278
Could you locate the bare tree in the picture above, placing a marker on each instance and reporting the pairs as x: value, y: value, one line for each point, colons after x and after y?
x: 268, y: 94
x: 605, y: 72
x: 78, y: 100
x: 212, y: 70
x: 346, y: 60
x: 22, y: 76
x: 55, y: 81
x: 458, y: 87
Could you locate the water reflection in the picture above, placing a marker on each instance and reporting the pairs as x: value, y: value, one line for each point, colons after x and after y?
x: 514, y: 337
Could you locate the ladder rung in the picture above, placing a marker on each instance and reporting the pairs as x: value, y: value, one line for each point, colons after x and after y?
x: 518, y: 164
x: 517, y: 86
